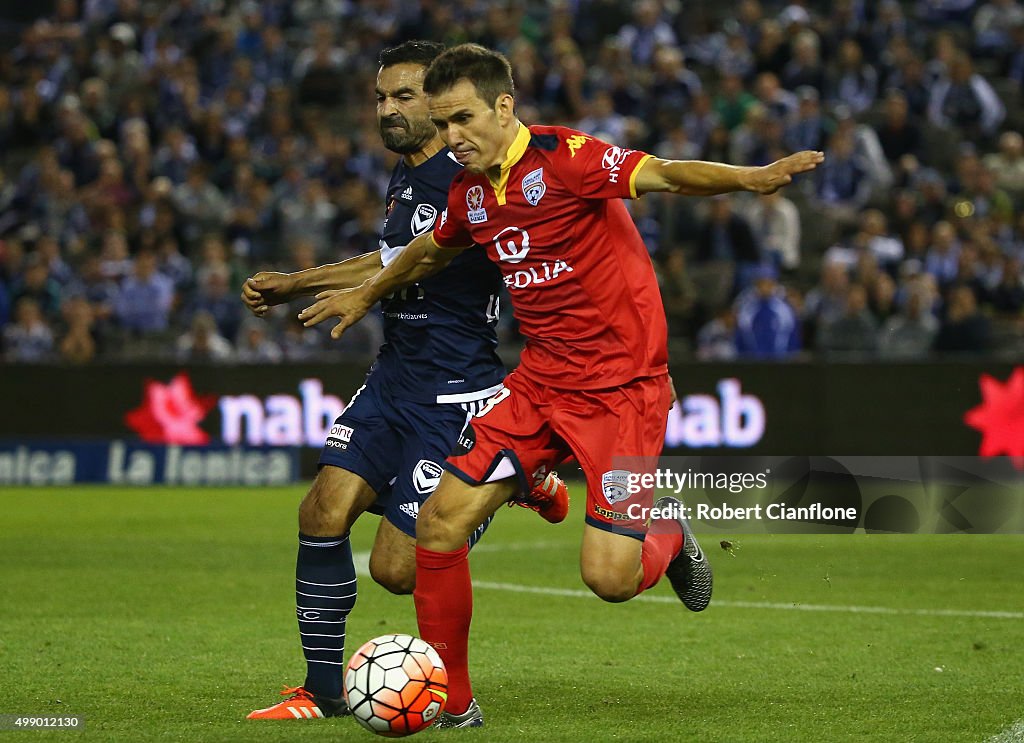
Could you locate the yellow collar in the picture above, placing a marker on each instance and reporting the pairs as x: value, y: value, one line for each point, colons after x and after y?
x: 515, y: 153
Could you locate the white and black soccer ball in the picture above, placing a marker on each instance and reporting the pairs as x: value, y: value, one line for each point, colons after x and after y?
x: 396, y: 685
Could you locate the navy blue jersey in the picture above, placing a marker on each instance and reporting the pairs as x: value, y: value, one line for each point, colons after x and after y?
x: 439, y: 334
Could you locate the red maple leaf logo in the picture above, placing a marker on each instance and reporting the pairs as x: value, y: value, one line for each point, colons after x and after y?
x: 1000, y: 417
x: 171, y: 413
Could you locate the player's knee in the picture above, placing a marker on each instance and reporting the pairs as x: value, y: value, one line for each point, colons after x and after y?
x: 322, y: 514
x: 398, y: 579
x: 608, y: 586
x: 436, y: 528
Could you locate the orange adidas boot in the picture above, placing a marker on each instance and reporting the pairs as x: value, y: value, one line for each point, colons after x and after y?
x: 549, y: 497
x: 301, y: 705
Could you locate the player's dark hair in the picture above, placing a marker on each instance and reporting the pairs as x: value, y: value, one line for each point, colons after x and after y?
x: 411, y: 52
x: 489, y: 71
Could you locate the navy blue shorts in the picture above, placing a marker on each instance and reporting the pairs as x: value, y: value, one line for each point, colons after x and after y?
x: 397, y: 446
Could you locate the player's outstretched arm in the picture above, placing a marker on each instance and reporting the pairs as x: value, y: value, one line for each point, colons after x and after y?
x: 265, y: 289
x: 419, y: 259
x: 699, y: 178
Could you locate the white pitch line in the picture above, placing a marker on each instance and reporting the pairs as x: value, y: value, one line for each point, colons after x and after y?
x: 1012, y: 734
x: 362, y: 568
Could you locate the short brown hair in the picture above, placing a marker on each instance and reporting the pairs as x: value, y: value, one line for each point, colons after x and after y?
x: 489, y: 71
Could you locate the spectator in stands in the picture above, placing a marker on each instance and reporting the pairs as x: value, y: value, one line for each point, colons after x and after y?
x: 646, y: 33
x: 843, y: 180
x: 716, y: 341
x: 809, y: 129
x: 36, y: 283
x: 733, y: 101
x: 825, y: 302
x: 964, y: 329
x: 1007, y: 297
x: 964, y: 99
x: 778, y: 101
x: 679, y: 295
x: 855, y: 331
x: 701, y: 120
x: 899, y: 135
x: 992, y: 25
x: 910, y: 334
x: 144, y: 302
x: 805, y: 67
x: 874, y: 237
x: 254, y: 346
x: 202, y: 206
x: 727, y: 239
x: 1007, y: 165
x: 775, y: 220
x: 78, y: 343
x: 943, y: 258
x: 854, y: 82
x: 767, y: 327
x: 602, y: 120
x: 28, y: 340
x: 202, y: 342
x: 215, y: 296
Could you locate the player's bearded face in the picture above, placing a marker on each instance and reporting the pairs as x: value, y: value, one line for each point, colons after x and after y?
x: 402, y: 114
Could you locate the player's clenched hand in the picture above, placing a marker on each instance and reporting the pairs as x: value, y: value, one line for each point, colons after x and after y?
x: 266, y: 289
x: 771, y: 178
x: 348, y: 305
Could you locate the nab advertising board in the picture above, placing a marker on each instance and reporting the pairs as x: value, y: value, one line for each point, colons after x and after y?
x: 210, y: 424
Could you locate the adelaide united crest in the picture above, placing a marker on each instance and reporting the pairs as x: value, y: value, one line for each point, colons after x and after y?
x: 534, y: 187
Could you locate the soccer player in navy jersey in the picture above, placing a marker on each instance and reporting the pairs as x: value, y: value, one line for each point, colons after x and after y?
x: 438, y: 366
x: 545, y: 203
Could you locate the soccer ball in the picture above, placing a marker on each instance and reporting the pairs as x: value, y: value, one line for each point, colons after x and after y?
x: 396, y: 685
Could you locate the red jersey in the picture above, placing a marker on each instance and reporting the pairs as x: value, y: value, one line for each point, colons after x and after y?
x: 582, y: 285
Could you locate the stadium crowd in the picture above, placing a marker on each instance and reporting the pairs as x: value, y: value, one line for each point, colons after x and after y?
x: 153, y: 154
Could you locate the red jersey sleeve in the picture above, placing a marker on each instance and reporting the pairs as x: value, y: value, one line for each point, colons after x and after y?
x: 594, y: 169
x: 451, y: 229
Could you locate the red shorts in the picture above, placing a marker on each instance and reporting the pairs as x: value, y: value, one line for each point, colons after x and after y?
x: 613, y: 433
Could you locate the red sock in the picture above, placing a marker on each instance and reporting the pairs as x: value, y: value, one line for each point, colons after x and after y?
x: 663, y: 542
x: 444, y: 609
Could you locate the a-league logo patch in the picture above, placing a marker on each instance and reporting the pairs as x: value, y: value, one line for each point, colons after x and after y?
x: 426, y: 475
x: 475, y: 205
x: 534, y: 186
x: 615, y: 486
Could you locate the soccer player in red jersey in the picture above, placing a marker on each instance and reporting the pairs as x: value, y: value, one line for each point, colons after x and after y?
x: 546, y: 204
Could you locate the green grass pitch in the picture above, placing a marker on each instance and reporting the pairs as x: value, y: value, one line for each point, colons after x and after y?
x: 168, y: 615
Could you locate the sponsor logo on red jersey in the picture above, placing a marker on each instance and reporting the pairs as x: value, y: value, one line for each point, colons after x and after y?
x: 512, y: 244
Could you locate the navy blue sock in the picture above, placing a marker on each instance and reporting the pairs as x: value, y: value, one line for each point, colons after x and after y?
x: 325, y: 592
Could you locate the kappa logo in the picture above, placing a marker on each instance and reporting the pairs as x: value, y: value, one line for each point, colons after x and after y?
x: 426, y: 475
x: 423, y: 218
x: 615, y: 486
x: 575, y: 142
x: 534, y: 187
x: 512, y: 244
x: 475, y: 205
x: 612, y: 160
